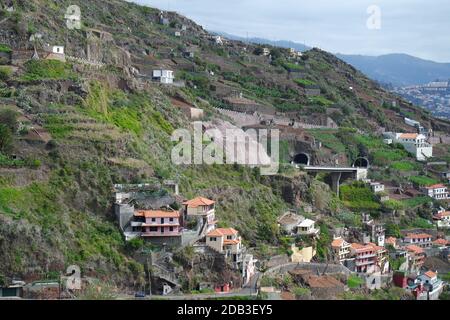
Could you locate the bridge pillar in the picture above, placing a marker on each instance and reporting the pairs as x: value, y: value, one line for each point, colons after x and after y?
x: 335, y: 181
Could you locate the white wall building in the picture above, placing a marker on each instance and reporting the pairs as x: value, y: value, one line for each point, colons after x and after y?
x: 414, y: 143
x: 436, y: 191
x: 377, y: 187
x: 307, y: 227
x: 163, y: 76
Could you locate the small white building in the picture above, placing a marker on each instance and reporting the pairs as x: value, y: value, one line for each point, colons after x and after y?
x: 307, y: 227
x: 163, y: 76
x: 177, y: 34
x: 58, y: 49
x: 218, y: 40
x: 377, y: 187
x: 436, y: 191
x: 266, y: 51
x: 414, y: 143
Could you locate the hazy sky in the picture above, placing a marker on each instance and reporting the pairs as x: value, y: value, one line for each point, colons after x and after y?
x: 416, y: 27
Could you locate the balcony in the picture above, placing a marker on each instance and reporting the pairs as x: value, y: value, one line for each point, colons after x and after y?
x: 137, y: 223
x: 366, y: 256
x: 364, y: 263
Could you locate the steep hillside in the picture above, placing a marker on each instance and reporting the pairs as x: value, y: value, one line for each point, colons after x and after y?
x: 98, y: 119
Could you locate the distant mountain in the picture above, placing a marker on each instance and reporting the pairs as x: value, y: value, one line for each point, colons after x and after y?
x: 396, y: 69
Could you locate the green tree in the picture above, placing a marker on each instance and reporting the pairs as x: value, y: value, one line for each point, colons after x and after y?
x: 8, y: 118
x: 6, y: 139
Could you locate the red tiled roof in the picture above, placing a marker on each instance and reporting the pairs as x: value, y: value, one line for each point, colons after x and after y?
x: 408, y: 135
x: 220, y: 232
x: 436, y: 186
x: 415, y: 249
x: 337, y: 243
x: 197, y: 202
x: 391, y: 240
x: 441, y: 242
x: 430, y: 274
x: 418, y: 235
x: 157, y: 214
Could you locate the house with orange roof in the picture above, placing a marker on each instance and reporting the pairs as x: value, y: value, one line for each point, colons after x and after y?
x: 341, y: 248
x: 157, y: 226
x: 203, y: 210
x: 436, y: 191
x: 414, y: 143
x: 423, y: 240
x: 442, y: 219
x: 226, y: 241
x: 441, y: 243
x: 391, y: 241
x: 416, y: 257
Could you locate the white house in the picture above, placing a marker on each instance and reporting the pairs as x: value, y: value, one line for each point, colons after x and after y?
x: 442, y: 219
x: 177, y: 34
x: 218, y: 40
x: 436, y: 191
x: 58, y: 49
x: 377, y: 187
x: 307, y: 227
x: 266, y: 51
x: 422, y: 240
x: 414, y: 143
x: 163, y: 76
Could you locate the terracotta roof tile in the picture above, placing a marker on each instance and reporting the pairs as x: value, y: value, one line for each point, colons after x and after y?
x: 415, y: 249
x: 220, y: 232
x: 408, y: 135
x: 418, y: 235
x: 157, y: 214
x: 197, y: 202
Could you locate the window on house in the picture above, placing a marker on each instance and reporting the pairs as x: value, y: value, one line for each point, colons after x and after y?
x: 153, y: 229
x: 162, y: 229
x: 153, y: 219
x: 229, y: 237
x: 171, y: 229
x: 212, y: 239
x: 162, y: 220
x: 171, y: 219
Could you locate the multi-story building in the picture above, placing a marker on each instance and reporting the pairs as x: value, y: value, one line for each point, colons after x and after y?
x: 202, y: 209
x: 414, y: 143
x: 163, y: 76
x: 416, y: 257
x: 365, y: 258
x: 226, y: 241
x: 341, y: 248
x: 372, y: 231
x: 157, y: 226
x: 442, y: 219
x: 422, y: 240
x: 436, y: 191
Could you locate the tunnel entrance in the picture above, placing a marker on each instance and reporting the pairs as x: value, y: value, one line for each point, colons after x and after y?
x: 361, y: 162
x: 301, y: 158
